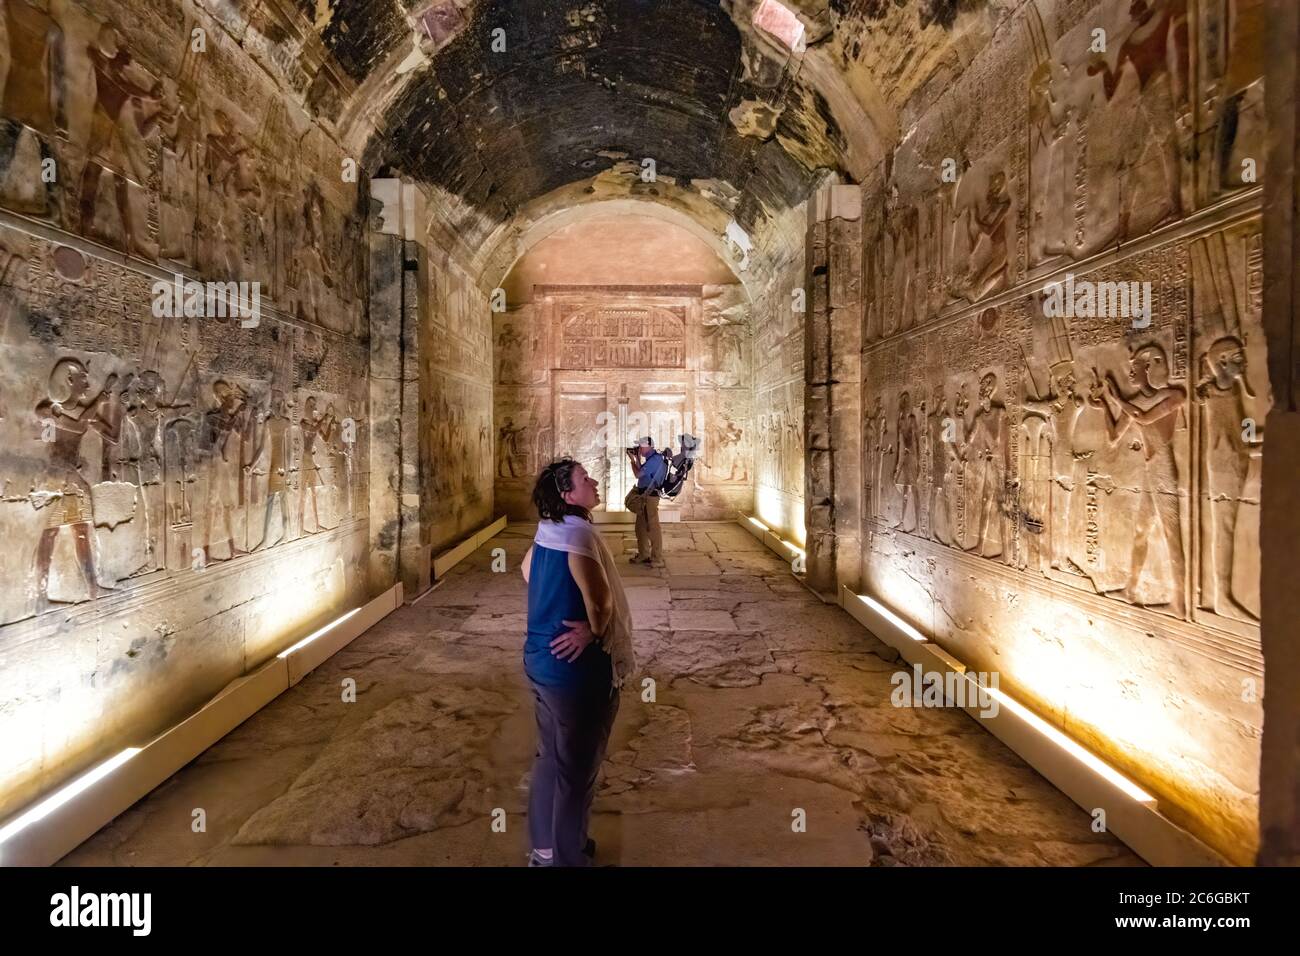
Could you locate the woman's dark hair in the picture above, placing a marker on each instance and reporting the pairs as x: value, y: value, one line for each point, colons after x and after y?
x: 548, y: 494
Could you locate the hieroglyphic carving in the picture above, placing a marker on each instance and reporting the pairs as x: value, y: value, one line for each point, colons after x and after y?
x: 622, y: 336
x: 779, y: 321
x: 780, y: 438
x: 725, y: 337
x: 584, y: 370
x: 465, y: 450
x: 114, y: 143
x: 727, y: 450
x: 1069, y: 446
x: 155, y: 445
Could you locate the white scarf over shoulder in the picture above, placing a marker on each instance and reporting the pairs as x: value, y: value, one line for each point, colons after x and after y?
x: 578, y: 536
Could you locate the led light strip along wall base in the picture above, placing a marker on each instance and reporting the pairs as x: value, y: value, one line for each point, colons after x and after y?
x: 49, y: 829
x: 1131, y: 814
x: 787, y: 550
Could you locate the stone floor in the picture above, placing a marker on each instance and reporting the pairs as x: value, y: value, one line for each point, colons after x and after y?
x: 767, y: 702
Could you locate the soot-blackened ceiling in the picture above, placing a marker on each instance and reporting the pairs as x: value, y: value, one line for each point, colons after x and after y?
x: 583, y: 86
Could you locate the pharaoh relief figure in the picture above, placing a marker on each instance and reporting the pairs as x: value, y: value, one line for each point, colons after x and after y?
x: 1150, y: 416
x: 113, y: 198
x: 234, y: 187
x: 987, y: 233
x: 1156, y: 49
x: 69, y: 414
x: 178, y: 181
x: 1231, y: 449
x: 946, y: 438
x: 143, y: 432
x: 1056, y: 457
x: 873, y: 422
x: 509, y: 354
x: 315, y: 427
x: 906, y: 465
x: 226, y: 436
x: 311, y: 276
x: 271, y: 456
x: 987, y: 454
x: 732, y: 440
x: 1051, y: 184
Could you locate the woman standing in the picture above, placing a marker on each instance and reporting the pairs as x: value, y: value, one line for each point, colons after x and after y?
x: 577, y: 654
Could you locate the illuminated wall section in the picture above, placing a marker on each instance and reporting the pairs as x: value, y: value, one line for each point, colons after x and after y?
x: 779, y: 401
x: 622, y: 325
x: 1058, y: 484
x: 456, y: 435
x: 183, y: 490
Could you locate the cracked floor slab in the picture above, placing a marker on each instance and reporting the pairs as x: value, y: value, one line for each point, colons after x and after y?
x: 768, y: 708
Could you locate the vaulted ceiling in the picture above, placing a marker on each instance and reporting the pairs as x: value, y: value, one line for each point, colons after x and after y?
x: 510, y: 109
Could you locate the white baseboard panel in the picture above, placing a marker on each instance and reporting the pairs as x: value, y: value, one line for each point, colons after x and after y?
x: 454, y: 555
x: 1131, y: 814
x: 787, y: 551
x: 51, y: 827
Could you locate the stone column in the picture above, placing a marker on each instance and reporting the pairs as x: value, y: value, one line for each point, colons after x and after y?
x: 833, y: 388
x: 395, y: 551
x: 1279, y: 784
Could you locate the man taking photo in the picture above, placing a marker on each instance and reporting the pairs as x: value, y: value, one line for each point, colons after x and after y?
x: 651, y: 470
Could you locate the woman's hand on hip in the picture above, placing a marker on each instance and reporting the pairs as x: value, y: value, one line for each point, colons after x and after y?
x: 573, y: 642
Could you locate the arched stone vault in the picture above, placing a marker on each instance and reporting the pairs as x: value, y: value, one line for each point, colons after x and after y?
x: 730, y: 115
x: 513, y: 241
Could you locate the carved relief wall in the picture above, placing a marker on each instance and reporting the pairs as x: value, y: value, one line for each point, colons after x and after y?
x: 1064, y: 387
x: 584, y: 370
x: 456, y: 404
x: 779, y: 402
x: 180, y: 490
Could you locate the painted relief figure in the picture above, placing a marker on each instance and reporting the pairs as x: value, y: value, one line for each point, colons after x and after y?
x: 226, y: 431
x: 310, y: 274
x: 1051, y: 181
x: 272, y: 454
x: 907, y: 466
x: 987, y: 229
x: 314, y: 427
x: 67, y: 416
x: 234, y: 186
x: 143, y: 454
x: 946, y: 438
x: 1156, y: 50
x: 987, y: 454
x: 509, y: 354
x: 725, y: 347
x: 113, y: 198
x: 1231, y: 448
x: 732, y: 445
x: 873, y: 421
x: 32, y: 81
x: 1150, y: 418
x: 178, y: 182
x: 725, y: 459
